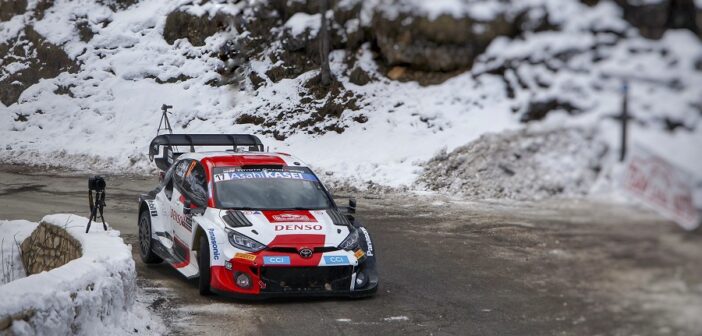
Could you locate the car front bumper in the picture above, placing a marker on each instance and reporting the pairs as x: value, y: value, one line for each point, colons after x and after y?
x: 294, y: 281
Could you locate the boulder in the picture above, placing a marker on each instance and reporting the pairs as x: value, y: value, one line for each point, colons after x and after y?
x: 653, y: 18
x: 443, y: 43
x: 181, y: 24
x: 10, y: 8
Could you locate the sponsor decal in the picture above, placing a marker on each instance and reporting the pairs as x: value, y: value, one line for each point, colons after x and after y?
x: 288, y: 217
x: 276, y: 260
x: 369, y: 244
x: 336, y: 260
x: 244, y: 174
x: 182, y: 220
x: 359, y: 254
x: 245, y: 256
x: 298, y: 227
x: 213, y: 242
x: 152, y: 208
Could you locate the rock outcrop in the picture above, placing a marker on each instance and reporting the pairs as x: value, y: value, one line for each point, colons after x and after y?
x: 27, y: 59
x: 181, y: 24
x: 442, y: 44
x: 10, y: 8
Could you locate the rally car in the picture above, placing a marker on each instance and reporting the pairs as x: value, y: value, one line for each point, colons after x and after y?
x: 250, y: 223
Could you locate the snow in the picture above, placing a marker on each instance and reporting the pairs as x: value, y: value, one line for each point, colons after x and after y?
x: 91, y: 295
x: 12, y: 233
x: 477, y: 9
x: 114, y: 112
x: 519, y: 165
x: 303, y: 22
x: 396, y: 318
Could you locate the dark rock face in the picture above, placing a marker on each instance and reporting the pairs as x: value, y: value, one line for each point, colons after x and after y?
x: 10, y: 8
x: 443, y: 44
x: 538, y: 110
x: 359, y: 76
x: 196, y: 29
x: 42, y: 60
x: 653, y: 19
x: 41, y: 7
x: 85, y: 32
x: 299, y: 53
x: 116, y: 5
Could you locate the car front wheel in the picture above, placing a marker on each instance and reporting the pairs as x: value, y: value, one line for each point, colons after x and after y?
x: 145, y: 243
x: 204, y: 262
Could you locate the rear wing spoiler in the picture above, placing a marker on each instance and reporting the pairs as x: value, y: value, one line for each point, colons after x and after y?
x: 168, y: 141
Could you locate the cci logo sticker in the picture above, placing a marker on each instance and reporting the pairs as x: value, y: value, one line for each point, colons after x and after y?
x: 336, y: 260
x: 276, y: 260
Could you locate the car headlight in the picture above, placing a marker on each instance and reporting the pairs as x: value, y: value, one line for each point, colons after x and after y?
x: 243, y: 242
x: 351, y: 241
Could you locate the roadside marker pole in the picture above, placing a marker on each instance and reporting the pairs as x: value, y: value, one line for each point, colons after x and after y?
x: 625, y: 119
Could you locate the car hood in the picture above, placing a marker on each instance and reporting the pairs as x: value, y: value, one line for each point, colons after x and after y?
x: 293, y: 228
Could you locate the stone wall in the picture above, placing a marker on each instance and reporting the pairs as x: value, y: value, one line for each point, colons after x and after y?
x: 89, y: 295
x: 48, y: 247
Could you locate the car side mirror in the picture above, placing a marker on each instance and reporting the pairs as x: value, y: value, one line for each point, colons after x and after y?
x: 187, y: 207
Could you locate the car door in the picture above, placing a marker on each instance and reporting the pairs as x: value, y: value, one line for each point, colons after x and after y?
x: 163, y: 201
x: 190, y: 184
x: 181, y: 223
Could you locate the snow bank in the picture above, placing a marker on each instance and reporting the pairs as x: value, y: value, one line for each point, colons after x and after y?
x: 91, y: 295
x: 12, y: 233
x: 519, y: 165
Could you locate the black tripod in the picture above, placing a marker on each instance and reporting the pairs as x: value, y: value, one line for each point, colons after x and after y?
x: 97, y: 205
x: 165, y: 124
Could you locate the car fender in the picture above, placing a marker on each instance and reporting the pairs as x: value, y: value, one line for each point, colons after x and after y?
x: 156, y: 213
x: 366, y: 243
x: 216, y: 238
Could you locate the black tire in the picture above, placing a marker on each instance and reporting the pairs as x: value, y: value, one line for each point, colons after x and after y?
x: 145, y: 243
x: 203, y: 261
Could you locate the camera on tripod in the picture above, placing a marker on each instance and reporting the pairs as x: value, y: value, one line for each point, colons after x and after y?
x: 97, y: 203
x: 96, y: 183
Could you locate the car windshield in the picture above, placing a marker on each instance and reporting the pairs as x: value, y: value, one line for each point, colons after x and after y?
x: 269, y: 189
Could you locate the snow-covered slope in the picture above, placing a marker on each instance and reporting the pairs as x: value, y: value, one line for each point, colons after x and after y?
x: 567, y: 73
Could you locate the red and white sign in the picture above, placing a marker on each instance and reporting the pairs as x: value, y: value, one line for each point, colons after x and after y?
x: 662, y: 186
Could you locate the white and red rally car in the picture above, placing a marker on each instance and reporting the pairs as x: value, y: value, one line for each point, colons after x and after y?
x: 251, y: 223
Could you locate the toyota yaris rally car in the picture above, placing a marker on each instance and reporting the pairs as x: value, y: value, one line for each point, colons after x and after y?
x: 250, y: 223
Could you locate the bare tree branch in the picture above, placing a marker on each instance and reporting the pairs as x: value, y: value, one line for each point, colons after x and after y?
x: 325, y: 72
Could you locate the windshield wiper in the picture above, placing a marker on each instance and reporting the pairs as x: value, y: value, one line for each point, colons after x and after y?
x: 298, y: 208
x: 243, y: 208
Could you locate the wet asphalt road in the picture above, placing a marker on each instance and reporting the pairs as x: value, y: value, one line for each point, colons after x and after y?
x: 447, y: 267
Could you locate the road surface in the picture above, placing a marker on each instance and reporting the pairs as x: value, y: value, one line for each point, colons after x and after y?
x: 448, y: 267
